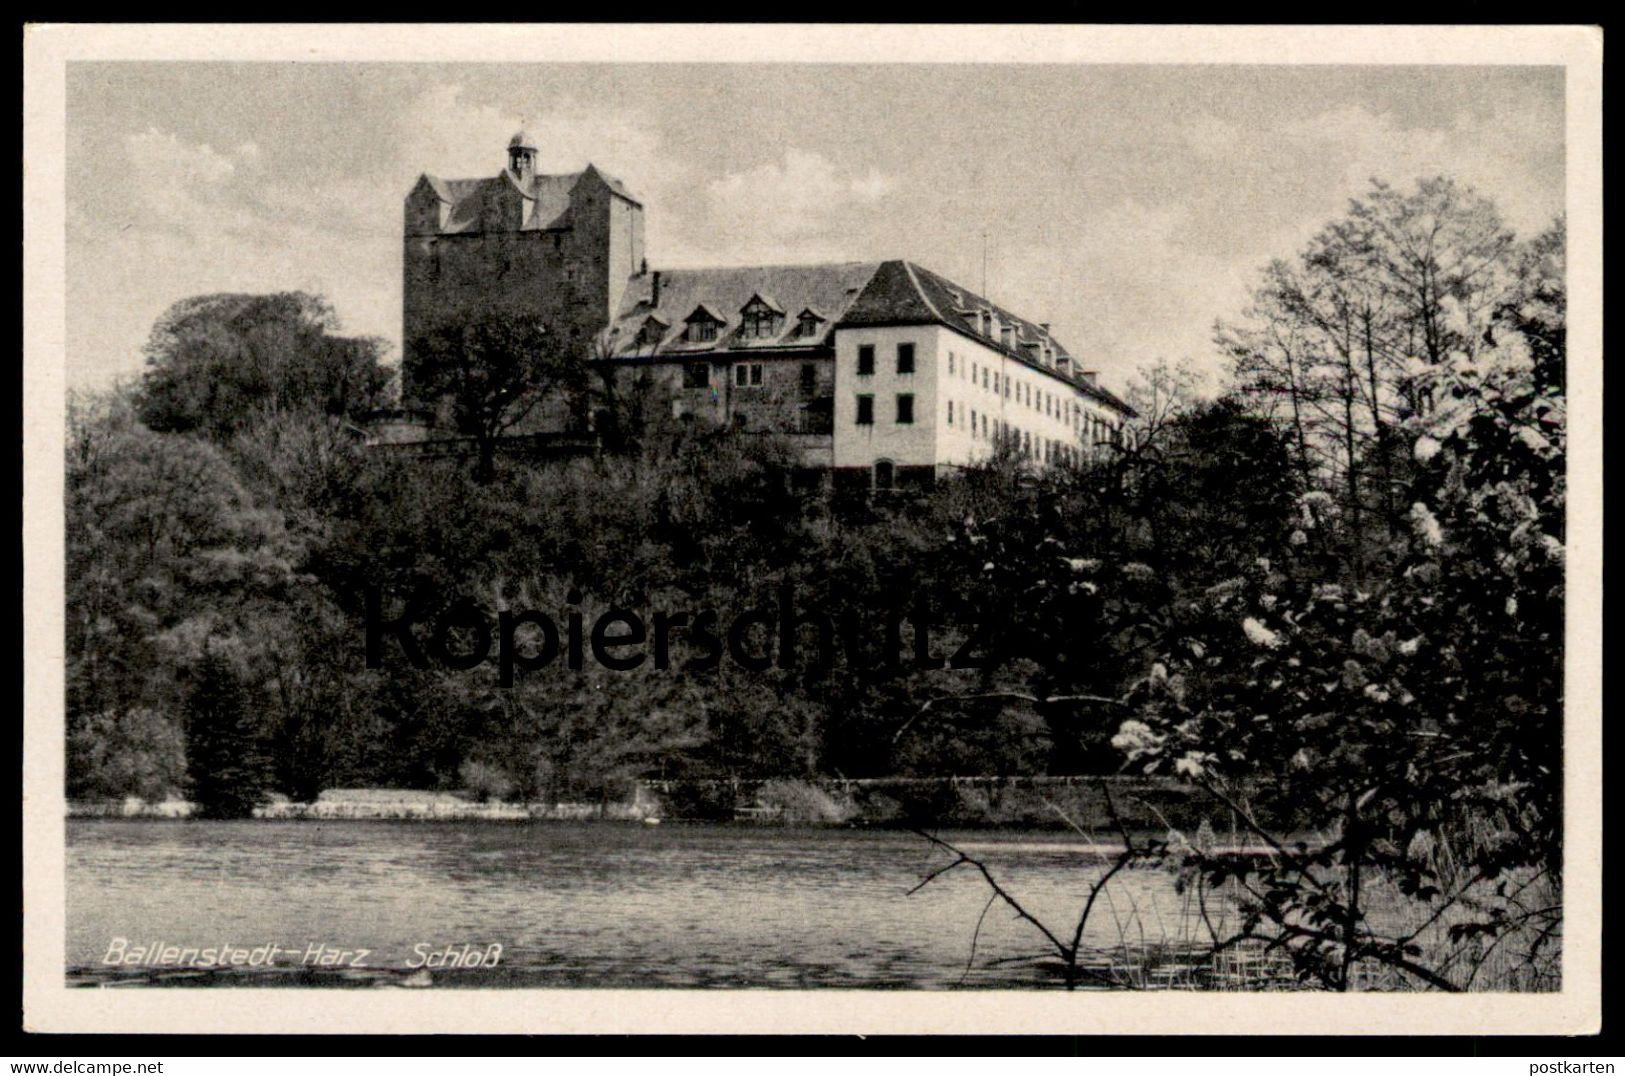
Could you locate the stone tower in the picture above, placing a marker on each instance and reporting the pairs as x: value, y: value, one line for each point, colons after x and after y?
x: 561, y: 248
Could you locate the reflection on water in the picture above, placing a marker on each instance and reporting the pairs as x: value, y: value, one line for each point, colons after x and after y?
x: 597, y: 904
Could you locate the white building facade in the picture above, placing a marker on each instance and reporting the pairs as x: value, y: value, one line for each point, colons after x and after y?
x: 878, y: 370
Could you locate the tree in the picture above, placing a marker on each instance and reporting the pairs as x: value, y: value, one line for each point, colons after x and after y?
x: 1421, y: 713
x: 226, y: 760
x: 1159, y: 395
x: 491, y: 371
x: 117, y: 753
x: 164, y: 546
x: 215, y: 361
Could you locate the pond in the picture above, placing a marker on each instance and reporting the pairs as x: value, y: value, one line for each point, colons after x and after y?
x: 593, y: 905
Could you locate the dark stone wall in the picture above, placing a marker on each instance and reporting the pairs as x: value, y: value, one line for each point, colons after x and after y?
x: 569, y: 277
x: 776, y: 405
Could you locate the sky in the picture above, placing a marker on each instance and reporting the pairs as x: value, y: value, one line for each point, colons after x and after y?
x: 1128, y: 205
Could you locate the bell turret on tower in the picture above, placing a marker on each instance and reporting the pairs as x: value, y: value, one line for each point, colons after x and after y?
x: 521, y: 156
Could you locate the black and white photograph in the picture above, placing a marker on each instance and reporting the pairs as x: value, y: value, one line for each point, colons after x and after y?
x: 656, y: 513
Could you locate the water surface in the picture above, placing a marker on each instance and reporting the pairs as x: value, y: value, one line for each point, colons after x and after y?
x: 597, y: 904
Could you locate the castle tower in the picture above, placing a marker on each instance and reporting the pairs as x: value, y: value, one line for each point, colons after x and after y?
x: 560, y: 248
x: 521, y: 156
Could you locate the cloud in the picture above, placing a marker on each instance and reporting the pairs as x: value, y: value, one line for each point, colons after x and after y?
x: 196, y: 220
x: 175, y: 181
x: 1144, y: 293
x: 444, y: 132
x: 793, y: 197
x: 799, y: 207
x: 1312, y: 165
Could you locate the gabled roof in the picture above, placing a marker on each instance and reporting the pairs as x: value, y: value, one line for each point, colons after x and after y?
x: 841, y: 294
x: 702, y: 312
x: 903, y: 293
x: 763, y: 300
x: 547, y: 197
x: 828, y: 288
x: 614, y: 184
x: 893, y: 297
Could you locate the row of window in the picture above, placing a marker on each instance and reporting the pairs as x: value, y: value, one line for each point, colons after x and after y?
x: 756, y: 323
x: 865, y: 415
x: 982, y: 425
x: 1049, y: 403
x: 1024, y: 392
x: 866, y: 359
x: 697, y: 375
x: 994, y: 429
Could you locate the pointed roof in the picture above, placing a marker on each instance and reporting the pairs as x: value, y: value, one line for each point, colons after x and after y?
x: 765, y: 300
x: 547, y: 197
x: 702, y: 312
x: 903, y: 293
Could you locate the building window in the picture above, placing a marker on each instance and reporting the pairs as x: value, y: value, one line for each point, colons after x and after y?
x: 905, y: 358
x: 866, y: 410
x: 905, y: 409
x: 809, y: 378
x: 748, y: 374
x: 652, y: 332
x: 739, y: 420
x: 984, y: 377
x: 697, y: 375
x: 702, y: 330
x: 808, y: 325
x: 760, y: 324
x: 973, y: 422
x: 984, y: 425
x: 866, y: 359
x: 950, y: 364
x: 885, y: 474
x: 950, y: 412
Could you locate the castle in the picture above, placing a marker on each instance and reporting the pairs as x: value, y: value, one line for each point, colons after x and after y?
x: 880, y: 370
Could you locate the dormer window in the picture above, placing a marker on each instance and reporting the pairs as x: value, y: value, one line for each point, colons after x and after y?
x: 760, y: 318
x: 652, y: 331
x: 702, y: 325
x: 809, y: 323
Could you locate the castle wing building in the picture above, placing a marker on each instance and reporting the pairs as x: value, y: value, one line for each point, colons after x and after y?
x: 883, y: 369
